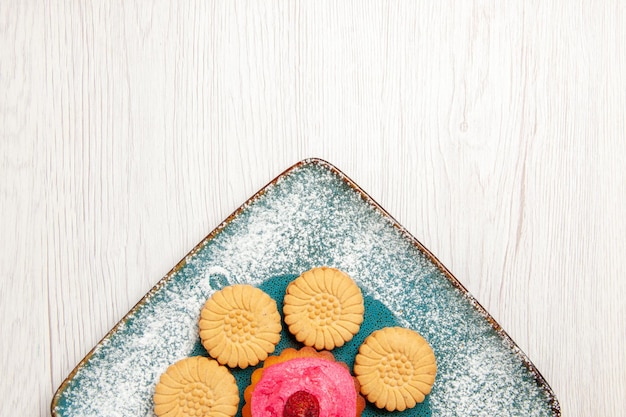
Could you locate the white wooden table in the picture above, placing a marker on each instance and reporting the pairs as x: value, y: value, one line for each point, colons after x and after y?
x: 493, y: 131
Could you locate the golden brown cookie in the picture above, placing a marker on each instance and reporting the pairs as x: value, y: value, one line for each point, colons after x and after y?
x: 239, y: 325
x: 323, y: 308
x: 396, y: 368
x: 196, y: 386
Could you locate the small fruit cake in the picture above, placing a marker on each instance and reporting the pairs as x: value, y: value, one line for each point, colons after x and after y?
x: 303, y: 383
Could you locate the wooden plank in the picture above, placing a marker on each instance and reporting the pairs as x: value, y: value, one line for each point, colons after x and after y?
x: 25, y: 357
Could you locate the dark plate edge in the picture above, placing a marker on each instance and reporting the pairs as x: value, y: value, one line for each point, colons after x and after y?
x: 556, y: 409
x: 541, y: 381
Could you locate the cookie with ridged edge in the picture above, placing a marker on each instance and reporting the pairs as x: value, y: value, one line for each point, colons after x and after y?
x: 323, y: 308
x: 196, y: 386
x: 396, y: 368
x: 239, y: 325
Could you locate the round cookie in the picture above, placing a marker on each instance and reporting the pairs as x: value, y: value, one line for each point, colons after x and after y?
x: 239, y: 325
x: 323, y: 308
x: 196, y: 386
x: 396, y: 368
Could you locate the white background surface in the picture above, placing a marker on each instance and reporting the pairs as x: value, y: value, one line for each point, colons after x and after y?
x: 493, y: 131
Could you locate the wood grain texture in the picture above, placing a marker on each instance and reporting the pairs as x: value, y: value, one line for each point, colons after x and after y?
x: 494, y: 132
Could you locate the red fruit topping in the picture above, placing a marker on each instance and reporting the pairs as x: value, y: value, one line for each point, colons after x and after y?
x: 301, y: 404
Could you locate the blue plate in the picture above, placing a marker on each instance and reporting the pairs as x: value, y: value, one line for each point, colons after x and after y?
x: 313, y: 215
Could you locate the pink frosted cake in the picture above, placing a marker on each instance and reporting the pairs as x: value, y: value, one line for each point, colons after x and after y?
x: 303, y: 383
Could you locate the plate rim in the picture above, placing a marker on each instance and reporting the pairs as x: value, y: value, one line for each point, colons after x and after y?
x: 540, y: 379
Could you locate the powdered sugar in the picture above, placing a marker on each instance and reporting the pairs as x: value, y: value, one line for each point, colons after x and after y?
x: 311, y: 217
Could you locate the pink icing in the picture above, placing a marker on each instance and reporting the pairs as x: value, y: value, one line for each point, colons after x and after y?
x: 330, y: 382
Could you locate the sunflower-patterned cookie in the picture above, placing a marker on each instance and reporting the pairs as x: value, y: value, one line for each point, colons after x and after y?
x: 239, y: 325
x: 323, y: 308
x: 196, y: 386
x: 396, y: 368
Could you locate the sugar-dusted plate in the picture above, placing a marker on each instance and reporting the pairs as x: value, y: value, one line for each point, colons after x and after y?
x: 313, y: 215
